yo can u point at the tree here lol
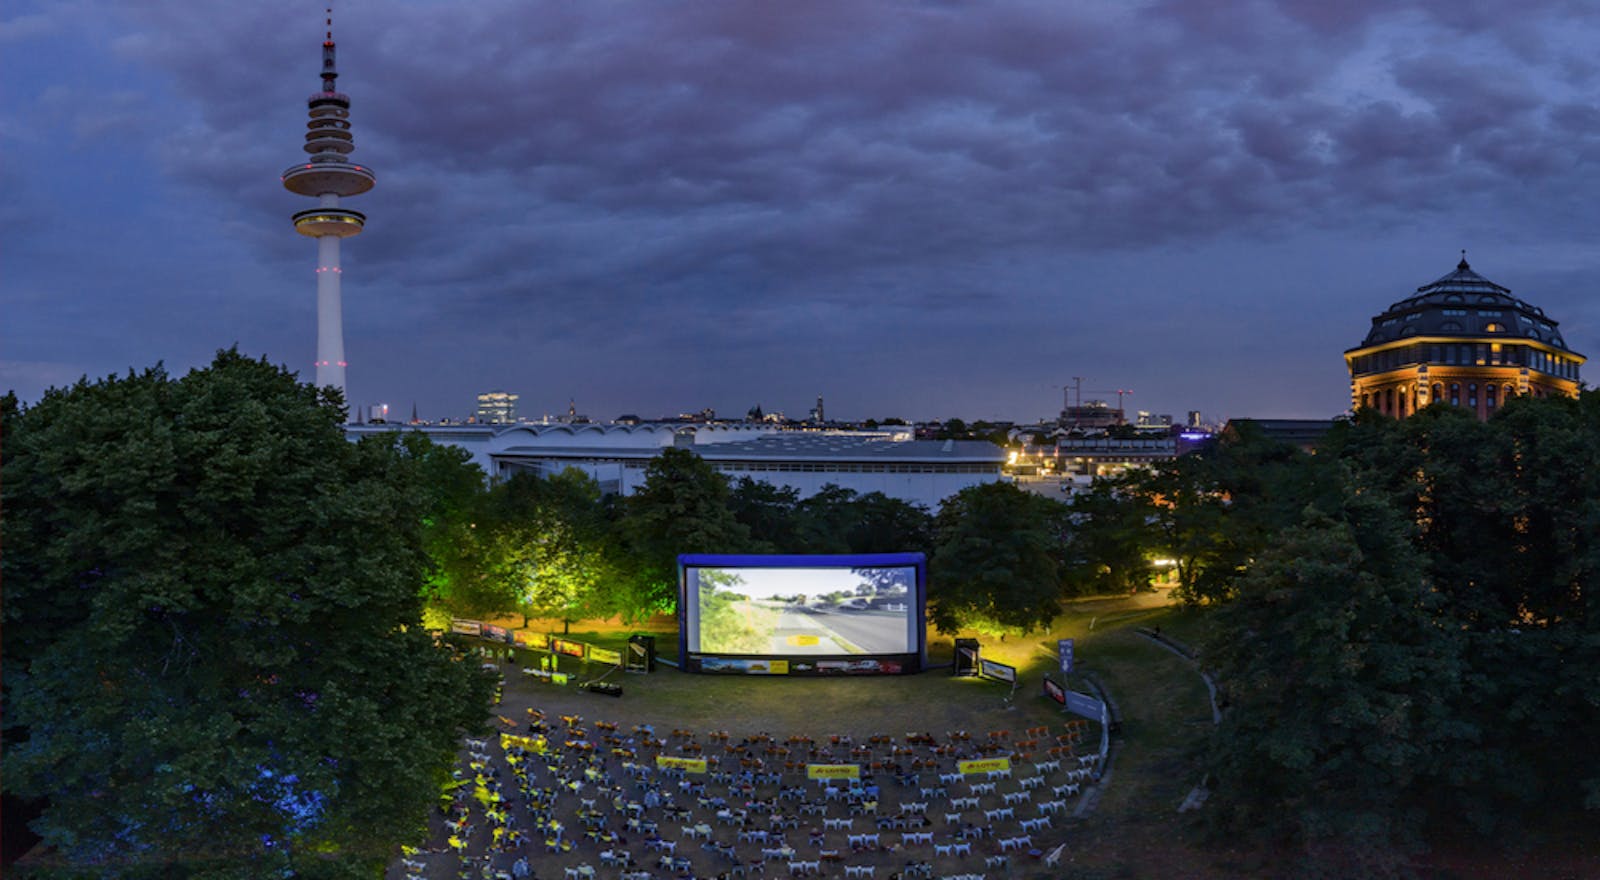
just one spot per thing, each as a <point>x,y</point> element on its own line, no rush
<point>571,562</point>
<point>996,562</point>
<point>1339,673</point>
<point>824,520</point>
<point>682,507</point>
<point>1183,512</point>
<point>1108,548</point>
<point>768,512</point>
<point>214,661</point>
<point>880,524</point>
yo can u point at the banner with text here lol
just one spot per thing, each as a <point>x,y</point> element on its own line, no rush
<point>535,744</point>
<point>833,771</point>
<point>687,765</point>
<point>605,655</point>
<point>1085,705</point>
<point>997,671</point>
<point>536,641</point>
<point>466,627</point>
<point>568,647</point>
<point>983,765</point>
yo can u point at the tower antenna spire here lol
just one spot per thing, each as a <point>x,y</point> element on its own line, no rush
<point>330,70</point>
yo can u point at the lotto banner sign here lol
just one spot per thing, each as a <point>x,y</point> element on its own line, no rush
<point>605,655</point>
<point>535,744</point>
<point>983,765</point>
<point>687,765</point>
<point>833,771</point>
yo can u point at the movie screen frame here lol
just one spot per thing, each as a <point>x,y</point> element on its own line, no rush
<point>833,633</point>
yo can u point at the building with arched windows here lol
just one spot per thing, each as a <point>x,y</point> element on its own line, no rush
<point>1463,340</point>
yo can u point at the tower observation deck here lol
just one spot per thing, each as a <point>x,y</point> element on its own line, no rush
<point>326,175</point>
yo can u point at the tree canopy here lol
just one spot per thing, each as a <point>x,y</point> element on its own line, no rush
<point>996,565</point>
<point>1407,629</point>
<point>214,663</point>
<point>683,507</point>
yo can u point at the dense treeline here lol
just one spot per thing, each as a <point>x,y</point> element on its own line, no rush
<point>554,547</point>
<point>1405,624</point>
<point>213,660</point>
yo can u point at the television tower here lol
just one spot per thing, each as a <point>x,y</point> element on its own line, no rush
<point>325,176</point>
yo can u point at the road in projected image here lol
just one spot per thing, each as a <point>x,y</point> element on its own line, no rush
<point>804,611</point>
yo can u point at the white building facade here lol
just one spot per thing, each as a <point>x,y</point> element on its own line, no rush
<point>918,471</point>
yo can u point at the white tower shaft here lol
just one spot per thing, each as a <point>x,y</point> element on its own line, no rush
<point>330,313</point>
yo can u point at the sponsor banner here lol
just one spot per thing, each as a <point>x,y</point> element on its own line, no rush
<point>1085,705</point>
<point>748,667</point>
<point>534,744</point>
<point>466,627</point>
<point>983,765</point>
<point>498,633</point>
<point>605,655</point>
<point>997,671</point>
<point>568,647</point>
<point>833,771</point>
<point>687,765</point>
<point>866,666</point>
<point>1064,651</point>
<point>1055,691</point>
<point>537,641</point>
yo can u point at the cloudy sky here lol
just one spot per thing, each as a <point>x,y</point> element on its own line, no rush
<point>914,209</point>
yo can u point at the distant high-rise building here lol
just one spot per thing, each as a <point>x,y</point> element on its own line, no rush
<point>326,175</point>
<point>497,407</point>
<point>818,415</point>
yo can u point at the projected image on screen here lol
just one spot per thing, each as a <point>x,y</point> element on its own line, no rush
<point>801,611</point>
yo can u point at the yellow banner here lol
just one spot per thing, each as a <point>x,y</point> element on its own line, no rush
<point>688,765</point>
<point>604,655</point>
<point>540,641</point>
<point>983,765</point>
<point>535,744</point>
<point>833,771</point>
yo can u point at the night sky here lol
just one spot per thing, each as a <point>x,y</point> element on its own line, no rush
<point>915,209</point>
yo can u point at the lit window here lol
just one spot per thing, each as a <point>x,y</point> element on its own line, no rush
<point>1492,327</point>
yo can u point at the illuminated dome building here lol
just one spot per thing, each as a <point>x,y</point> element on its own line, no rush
<point>1463,340</point>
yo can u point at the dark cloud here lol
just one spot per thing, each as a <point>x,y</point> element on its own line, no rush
<point>757,183</point>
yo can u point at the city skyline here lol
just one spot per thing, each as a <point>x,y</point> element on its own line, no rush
<point>917,210</point>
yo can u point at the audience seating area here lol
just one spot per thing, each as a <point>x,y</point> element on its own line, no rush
<point>576,799</point>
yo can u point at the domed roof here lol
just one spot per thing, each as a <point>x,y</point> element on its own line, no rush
<point>1463,304</point>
